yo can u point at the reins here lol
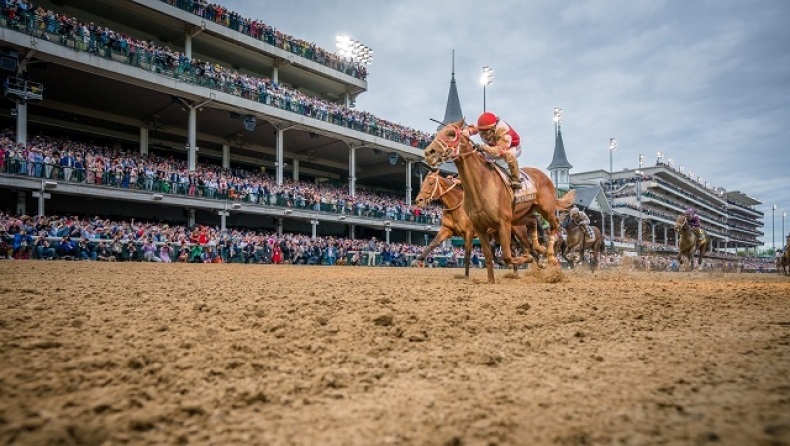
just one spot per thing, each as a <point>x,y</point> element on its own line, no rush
<point>443,193</point>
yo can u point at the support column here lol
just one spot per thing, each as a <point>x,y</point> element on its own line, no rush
<point>21,122</point>
<point>387,231</point>
<point>191,218</point>
<point>352,231</point>
<point>192,138</point>
<point>666,239</point>
<point>315,227</point>
<point>295,175</point>
<point>603,227</point>
<point>188,45</point>
<point>347,98</point>
<point>622,228</point>
<point>279,226</point>
<point>42,197</point>
<point>408,183</point>
<point>611,226</point>
<point>21,203</point>
<point>352,171</point>
<point>225,156</point>
<point>653,232</point>
<point>276,73</point>
<point>222,219</point>
<point>143,141</point>
<point>280,161</point>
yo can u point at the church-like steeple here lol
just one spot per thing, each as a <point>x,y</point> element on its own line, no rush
<point>453,111</point>
<point>559,167</point>
<point>559,161</point>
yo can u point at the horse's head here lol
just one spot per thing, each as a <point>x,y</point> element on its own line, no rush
<point>429,189</point>
<point>681,222</point>
<point>434,186</point>
<point>445,144</point>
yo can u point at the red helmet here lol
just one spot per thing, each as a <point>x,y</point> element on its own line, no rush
<point>487,121</point>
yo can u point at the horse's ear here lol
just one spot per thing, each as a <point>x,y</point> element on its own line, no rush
<point>461,123</point>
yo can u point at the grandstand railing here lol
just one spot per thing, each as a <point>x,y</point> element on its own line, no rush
<point>270,36</point>
<point>165,65</point>
<point>124,180</point>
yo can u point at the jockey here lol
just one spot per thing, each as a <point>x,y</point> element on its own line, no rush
<point>694,223</point>
<point>500,141</point>
<point>581,219</point>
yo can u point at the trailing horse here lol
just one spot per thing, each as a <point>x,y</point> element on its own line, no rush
<point>455,222</point>
<point>490,202</point>
<point>784,260</point>
<point>576,238</point>
<point>689,242</point>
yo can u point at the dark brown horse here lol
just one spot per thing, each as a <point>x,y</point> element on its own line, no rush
<point>784,260</point>
<point>689,242</point>
<point>489,201</point>
<point>455,222</point>
<point>576,239</point>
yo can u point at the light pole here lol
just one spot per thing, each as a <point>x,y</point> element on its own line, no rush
<point>612,148</point>
<point>784,214</point>
<point>639,200</point>
<point>487,78</point>
<point>773,224</point>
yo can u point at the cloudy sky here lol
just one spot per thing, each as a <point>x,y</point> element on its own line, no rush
<point>707,82</point>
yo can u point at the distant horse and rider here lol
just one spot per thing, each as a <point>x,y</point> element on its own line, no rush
<point>580,237</point>
<point>491,203</point>
<point>783,261</point>
<point>691,239</point>
<point>455,221</point>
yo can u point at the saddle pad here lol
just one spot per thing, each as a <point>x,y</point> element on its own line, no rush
<point>528,192</point>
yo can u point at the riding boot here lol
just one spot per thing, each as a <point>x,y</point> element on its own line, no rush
<point>512,163</point>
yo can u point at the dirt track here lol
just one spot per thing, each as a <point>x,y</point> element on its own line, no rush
<point>247,354</point>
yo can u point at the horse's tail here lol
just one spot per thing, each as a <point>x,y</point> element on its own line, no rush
<point>565,203</point>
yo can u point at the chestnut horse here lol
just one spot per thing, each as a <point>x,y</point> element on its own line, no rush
<point>489,200</point>
<point>576,238</point>
<point>455,222</point>
<point>689,242</point>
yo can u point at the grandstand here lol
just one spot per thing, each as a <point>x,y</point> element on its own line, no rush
<point>206,90</point>
<point>729,217</point>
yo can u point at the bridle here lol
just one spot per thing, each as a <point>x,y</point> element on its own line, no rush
<point>681,226</point>
<point>450,148</point>
<point>437,187</point>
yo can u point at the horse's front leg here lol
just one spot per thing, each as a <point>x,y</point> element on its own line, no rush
<point>443,234</point>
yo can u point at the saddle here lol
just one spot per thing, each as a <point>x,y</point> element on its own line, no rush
<point>527,193</point>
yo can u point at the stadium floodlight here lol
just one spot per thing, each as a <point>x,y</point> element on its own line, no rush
<point>641,161</point>
<point>660,156</point>
<point>671,162</point>
<point>487,78</point>
<point>354,50</point>
<point>557,115</point>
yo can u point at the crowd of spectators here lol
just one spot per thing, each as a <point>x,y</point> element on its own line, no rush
<point>86,163</point>
<point>146,54</point>
<point>100,239</point>
<point>96,238</point>
<point>268,34</point>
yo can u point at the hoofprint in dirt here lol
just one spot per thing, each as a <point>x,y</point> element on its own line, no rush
<point>99,353</point>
